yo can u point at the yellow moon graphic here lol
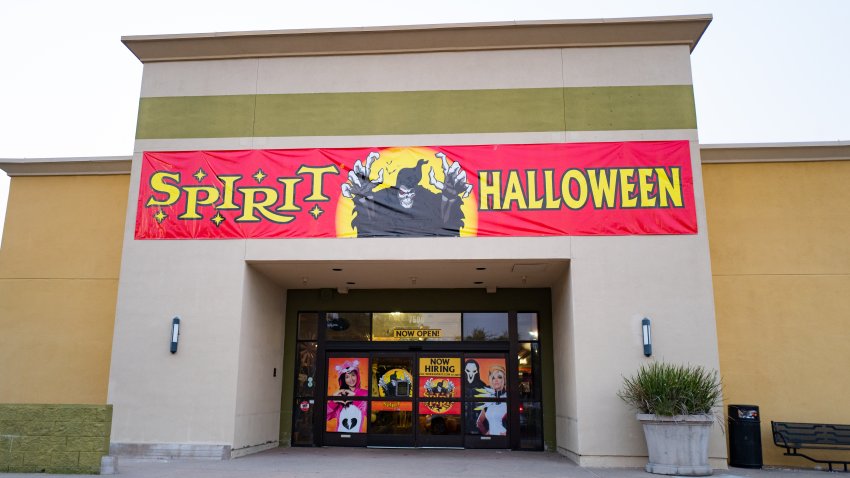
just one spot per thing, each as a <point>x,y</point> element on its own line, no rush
<point>392,160</point>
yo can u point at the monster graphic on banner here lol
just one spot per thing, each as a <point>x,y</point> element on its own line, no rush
<point>407,208</point>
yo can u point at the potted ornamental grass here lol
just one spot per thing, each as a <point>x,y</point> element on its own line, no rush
<point>677,405</point>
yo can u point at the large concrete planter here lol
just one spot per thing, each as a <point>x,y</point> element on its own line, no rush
<point>677,445</point>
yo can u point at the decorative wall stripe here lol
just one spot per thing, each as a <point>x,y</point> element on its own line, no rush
<point>419,112</point>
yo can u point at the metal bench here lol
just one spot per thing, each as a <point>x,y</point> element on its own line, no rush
<point>821,436</point>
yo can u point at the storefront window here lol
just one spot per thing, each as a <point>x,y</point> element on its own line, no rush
<point>485,326</point>
<point>527,326</point>
<point>527,359</point>
<point>442,422</point>
<point>419,326</point>
<point>391,394</point>
<point>302,430</point>
<point>308,325</point>
<point>307,369</point>
<point>531,426</point>
<point>348,326</point>
<point>392,418</point>
<point>306,380</point>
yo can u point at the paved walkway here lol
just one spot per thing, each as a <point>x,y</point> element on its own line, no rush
<point>402,463</point>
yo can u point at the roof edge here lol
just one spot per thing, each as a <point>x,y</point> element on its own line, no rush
<point>667,30</point>
<point>775,152</point>
<point>97,165</point>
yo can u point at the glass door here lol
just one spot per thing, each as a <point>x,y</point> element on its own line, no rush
<point>485,407</point>
<point>346,399</point>
<point>391,420</point>
<point>417,399</point>
<point>439,401</point>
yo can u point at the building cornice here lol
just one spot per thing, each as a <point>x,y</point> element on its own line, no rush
<point>774,152</point>
<point>66,166</point>
<point>709,153</point>
<point>670,30</point>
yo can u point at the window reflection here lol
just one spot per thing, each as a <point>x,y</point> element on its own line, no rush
<point>348,326</point>
<point>308,326</point>
<point>307,369</point>
<point>485,326</point>
<point>392,418</point>
<point>302,430</point>
<point>527,326</point>
<point>531,426</point>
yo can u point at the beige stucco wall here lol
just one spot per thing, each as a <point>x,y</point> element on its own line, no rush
<point>616,281</point>
<point>780,249</point>
<point>563,327</point>
<point>260,365</point>
<point>59,267</point>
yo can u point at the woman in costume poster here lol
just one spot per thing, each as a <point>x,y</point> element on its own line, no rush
<point>485,378</point>
<point>344,414</point>
<point>494,415</point>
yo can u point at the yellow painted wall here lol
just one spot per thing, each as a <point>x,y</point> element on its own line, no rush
<point>780,251</point>
<point>59,265</point>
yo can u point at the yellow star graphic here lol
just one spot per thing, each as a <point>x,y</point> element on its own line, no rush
<point>259,176</point>
<point>316,211</point>
<point>200,175</point>
<point>217,219</point>
<point>160,216</point>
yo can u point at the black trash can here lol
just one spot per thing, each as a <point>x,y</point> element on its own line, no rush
<point>744,430</point>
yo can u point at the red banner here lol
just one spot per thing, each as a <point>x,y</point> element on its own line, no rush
<point>558,189</point>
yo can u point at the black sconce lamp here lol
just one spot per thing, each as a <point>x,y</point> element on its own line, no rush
<point>175,333</point>
<point>647,337</point>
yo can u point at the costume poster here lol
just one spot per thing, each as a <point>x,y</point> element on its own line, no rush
<point>486,379</point>
<point>624,188</point>
<point>346,414</point>
<point>439,383</point>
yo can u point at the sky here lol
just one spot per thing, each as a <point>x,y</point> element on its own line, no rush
<point>764,71</point>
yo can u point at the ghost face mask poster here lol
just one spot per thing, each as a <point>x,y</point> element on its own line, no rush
<point>345,413</point>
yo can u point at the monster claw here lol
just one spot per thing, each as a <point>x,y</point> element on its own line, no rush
<point>434,181</point>
<point>371,159</point>
<point>461,178</point>
<point>352,176</point>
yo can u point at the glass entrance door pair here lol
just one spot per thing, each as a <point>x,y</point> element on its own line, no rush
<point>417,400</point>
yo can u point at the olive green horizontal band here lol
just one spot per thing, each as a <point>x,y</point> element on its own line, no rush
<point>419,112</point>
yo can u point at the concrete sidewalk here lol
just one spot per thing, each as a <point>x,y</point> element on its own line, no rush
<point>401,463</point>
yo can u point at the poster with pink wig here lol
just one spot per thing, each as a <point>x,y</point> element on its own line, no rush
<point>346,414</point>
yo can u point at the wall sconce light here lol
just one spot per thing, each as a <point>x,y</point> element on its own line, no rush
<point>647,337</point>
<point>175,334</point>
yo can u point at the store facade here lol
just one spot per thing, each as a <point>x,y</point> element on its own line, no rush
<point>412,236</point>
<point>557,158</point>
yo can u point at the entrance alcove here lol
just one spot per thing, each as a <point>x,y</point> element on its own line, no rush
<point>325,290</point>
